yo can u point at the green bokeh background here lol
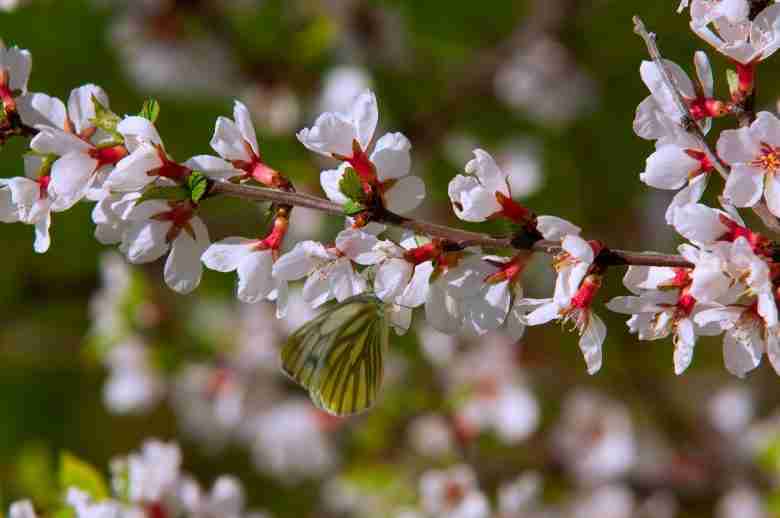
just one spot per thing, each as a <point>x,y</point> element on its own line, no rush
<point>50,397</point>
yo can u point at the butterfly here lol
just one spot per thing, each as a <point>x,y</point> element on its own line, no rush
<point>338,356</point>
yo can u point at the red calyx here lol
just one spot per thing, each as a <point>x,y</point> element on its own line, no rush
<point>108,155</point>
<point>705,107</point>
<point>169,168</point>
<point>512,210</point>
<point>155,510</point>
<point>43,183</point>
<point>747,77</point>
<point>758,242</point>
<point>6,95</point>
<point>274,240</point>
<point>685,302</point>
<point>511,270</point>
<point>705,165</point>
<point>587,291</point>
<point>427,252</point>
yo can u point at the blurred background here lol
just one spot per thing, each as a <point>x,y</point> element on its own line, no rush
<point>96,356</point>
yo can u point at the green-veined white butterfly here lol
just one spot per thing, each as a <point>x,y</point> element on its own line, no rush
<point>338,356</point>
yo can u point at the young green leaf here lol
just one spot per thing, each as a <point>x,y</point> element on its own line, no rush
<point>172,193</point>
<point>74,472</point>
<point>353,207</point>
<point>197,184</point>
<point>150,110</point>
<point>733,80</point>
<point>105,119</point>
<point>351,186</point>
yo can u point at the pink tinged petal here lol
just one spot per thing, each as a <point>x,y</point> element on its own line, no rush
<point>490,176</point>
<point>81,108</point>
<point>71,177</point>
<point>226,255</point>
<point>543,314</point>
<point>344,281</point>
<point>590,343</point>
<point>766,129</point>
<point>57,142</point>
<point>42,239</point>
<point>37,109</point>
<point>765,28</point>
<point>515,321</point>
<point>416,291</point>
<point>316,290</point>
<point>555,229</point>
<point>244,122</point>
<point>685,341</point>
<point>632,305</point>
<point>442,311</point>
<point>282,300</point>
<point>358,246</point>
<point>131,173</point>
<point>299,262</point>
<point>145,241</point>
<point>391,279</point>
<point>183,268</point>
<point>668,168</point>
<point>488,310</point>
<point>139,128</point>
<point>19,63</point>
<point>722,316</point>
<point>744,186</point>
<point>392,157</point>
<point>704,72</point>
<point>653,79</point>
<point>22,509</point>
<point>25,194</point>
<point>329,180</point>
<point>213,167</point>
<point>400,318</point>
<point>738,146</point>
<point>255,281</point>
<point>640,278</point>
<point>406,195</point>
<point>699,223</point>
<point>470,201</point>
<point>710,282</point>
<point>772,193</point>
<point>143,211</point>
<point>228,141</point>
<point>767,308</point>
<point>741,356</point>
<point>688,195</point>
<point>578,248</point>
<point>773,349</point>
<point>365,116</point>
<point>331,134</point>
<point>8,210</point>
<point>649,120</point>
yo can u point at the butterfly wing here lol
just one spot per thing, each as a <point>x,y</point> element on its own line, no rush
<point>338,356</point>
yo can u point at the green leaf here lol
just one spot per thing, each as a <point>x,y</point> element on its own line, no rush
<point>65,512</point>
<point>733,80</point>
<point>104,118</point>
<point>150,110</point>
<point>351,185</point>
<point>34,474</point>
<point>172,193</point>
<point>74,472</point>
<point>197,184</point>
<point>352,207</point>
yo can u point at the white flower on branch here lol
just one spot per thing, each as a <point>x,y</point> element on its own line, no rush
<point>157,227</point>
<point>732,34</point>
<point>754,156</point>
<point>26,199</point>
<point>662,305</point>
<point>15,67</point>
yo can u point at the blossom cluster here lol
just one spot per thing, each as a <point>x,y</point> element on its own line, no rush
<point>150,482</point>
<point>149,204</point>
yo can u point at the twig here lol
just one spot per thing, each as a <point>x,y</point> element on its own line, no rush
<point>464,238</point>
<point>686,121</point>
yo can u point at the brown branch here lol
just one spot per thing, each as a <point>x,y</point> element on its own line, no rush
<point>464,238</point>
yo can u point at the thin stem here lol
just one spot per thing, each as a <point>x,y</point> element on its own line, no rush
<point>686,121</point>
<point>464,238</point>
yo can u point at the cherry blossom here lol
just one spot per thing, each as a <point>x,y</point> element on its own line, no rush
<point>157,227</point>
<point>732,34</point>
<point>484,192</point>
<point>453,493</point>
<point>253,260</point>
<point>27,200</point>
<point>15,67</point>
<point>754,156</point>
